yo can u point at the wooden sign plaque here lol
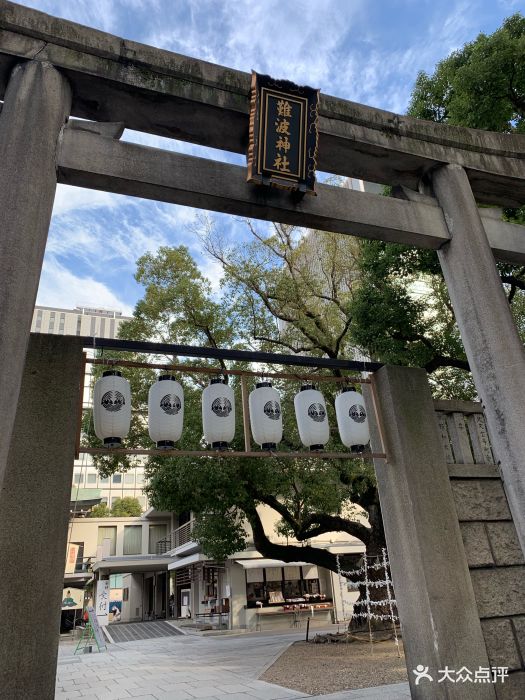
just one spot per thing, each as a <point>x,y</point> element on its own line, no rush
<point>283,134</point>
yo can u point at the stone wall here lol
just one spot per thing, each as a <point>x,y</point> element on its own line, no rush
<point>494,555</point>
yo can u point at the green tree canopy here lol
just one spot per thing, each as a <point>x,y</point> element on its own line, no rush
<point>481,85</point>
<point>101,510</point>
<point>128,506</point>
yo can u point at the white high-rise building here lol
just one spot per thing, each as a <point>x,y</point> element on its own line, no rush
<point>99,323</point>
<point>82,320</point>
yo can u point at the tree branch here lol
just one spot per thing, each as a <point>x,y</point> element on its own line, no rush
<point>289,553</point>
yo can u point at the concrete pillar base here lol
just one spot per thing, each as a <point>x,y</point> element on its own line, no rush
<point>34,515</point>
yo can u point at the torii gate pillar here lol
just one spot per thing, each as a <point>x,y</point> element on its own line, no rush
<point>494,349</point>
<point>36,105</point>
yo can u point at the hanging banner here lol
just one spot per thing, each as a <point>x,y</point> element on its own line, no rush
<point>72,554</point>
<point>102,602</point>
<point>283,134</point>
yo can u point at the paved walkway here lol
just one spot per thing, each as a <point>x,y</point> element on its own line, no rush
<point>189,667</point>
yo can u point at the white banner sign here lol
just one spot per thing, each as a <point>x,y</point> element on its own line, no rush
<point>72,553</point>
<point>102,602</point>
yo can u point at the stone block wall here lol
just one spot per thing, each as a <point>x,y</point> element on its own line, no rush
<point>494,555</point>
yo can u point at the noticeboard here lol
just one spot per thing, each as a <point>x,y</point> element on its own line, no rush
<point>102,602</point>
<point>283,134</point>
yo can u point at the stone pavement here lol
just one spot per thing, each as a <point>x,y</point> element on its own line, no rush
<point>190,667</point>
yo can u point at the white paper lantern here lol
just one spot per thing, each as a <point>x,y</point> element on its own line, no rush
<point>312,419</point>
<point>111,408</point>
<point>218,414</point>
<point>266,418</point>
<point>165,411</point>
<point>352,420</point>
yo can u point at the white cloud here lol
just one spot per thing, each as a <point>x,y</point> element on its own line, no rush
<point>68,199</point>
<point>62,288</point>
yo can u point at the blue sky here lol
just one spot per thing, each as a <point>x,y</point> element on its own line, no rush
<point>368,51</point>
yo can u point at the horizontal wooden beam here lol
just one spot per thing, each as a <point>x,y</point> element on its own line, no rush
<point>164,93</point>
<point>231,453</point>
<point>87,159</point>
<point>255,356</point>
<point>191,369</point>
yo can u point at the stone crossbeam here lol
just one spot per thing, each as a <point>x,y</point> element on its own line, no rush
<point>167,94</point>
<point>87,159</point>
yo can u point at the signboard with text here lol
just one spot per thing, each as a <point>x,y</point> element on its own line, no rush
<point>283,134</point>
<point>102,602</point>
<point>95,626</point>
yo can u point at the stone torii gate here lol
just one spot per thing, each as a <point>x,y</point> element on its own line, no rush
<point>52,70</point>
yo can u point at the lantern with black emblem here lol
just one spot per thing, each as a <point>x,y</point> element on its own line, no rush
<point>266,419</point>
<point>312,420</point>
<point>111,408</point>
<point>165,411</point>
<point>218,414</point>
<point>352,420</point>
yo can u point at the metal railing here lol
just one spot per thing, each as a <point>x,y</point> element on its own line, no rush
<point>176,538</point>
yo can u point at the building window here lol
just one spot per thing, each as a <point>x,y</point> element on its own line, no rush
<point>79,324</point>
<point>92,328</point>
<point>104,479</point>
<point>132,539</point>
<point>78,478</point>
<point>156,533</point>
<point>108,533</point>
<point>129,478</point>
<point>39,320</point>
<point>140,476</point>
<point>92,478</point>
<point>102,327</point>
<point>112,328</point>
<point>51,326</point>
<point>62,323</point>
<point>115,581</point>
<point>117,478</point>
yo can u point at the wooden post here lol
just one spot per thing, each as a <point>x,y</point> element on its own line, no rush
<point>245,414</point>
